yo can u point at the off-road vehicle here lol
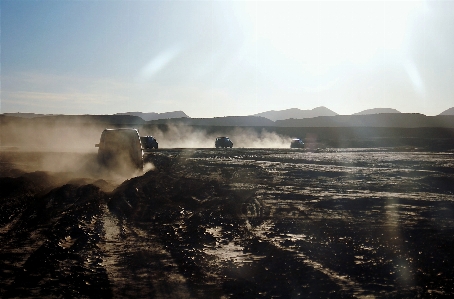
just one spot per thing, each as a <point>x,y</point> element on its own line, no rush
<point>148,142</point>
<point>296,143</point>
<point>120,150</point>
<point>223,142</point>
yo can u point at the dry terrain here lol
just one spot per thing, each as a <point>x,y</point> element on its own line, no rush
<point>230,223</point>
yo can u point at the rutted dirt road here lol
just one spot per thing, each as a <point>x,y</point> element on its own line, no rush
<point>235,223</point>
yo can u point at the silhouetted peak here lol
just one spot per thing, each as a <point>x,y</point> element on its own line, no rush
<point>296,113</point>
<point>377,111</point>
<point>147,116</point>
<point>449,111</point>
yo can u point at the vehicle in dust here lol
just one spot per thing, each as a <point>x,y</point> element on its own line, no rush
<point>223,142</point>
<point>120,150</point>
<point>296,143</point>
<point>148,142</point>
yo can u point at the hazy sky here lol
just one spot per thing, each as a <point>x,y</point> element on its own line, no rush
<point>219,58</point>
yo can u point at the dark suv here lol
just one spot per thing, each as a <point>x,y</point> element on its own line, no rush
<point>297,143</point>
<point>148,142</point>
<point>223,142</point>
<point>120,150</point>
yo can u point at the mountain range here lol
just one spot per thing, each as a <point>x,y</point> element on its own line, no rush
<point>268,118</point>
<point>381,120</point>
<point>154,116</point>
<point>377,111</point>
<point>369,130</point>
<point>296,113</point>
<point>449,111</point>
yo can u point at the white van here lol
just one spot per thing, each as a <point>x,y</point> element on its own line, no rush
<point>120,150</point>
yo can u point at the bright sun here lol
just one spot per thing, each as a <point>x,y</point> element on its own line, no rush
<point>323,34</point>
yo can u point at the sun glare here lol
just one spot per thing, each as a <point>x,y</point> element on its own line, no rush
<point>321,35</point>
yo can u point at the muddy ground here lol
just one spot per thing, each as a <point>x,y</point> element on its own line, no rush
<point>231,223</point>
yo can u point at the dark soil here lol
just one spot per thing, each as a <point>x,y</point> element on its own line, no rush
<point>229,223</point>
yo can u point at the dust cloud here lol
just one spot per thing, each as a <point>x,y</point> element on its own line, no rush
<point>77,137</point>
<point>183,136</point>
<point>51,137</point>
<point>66,152</point>
<point>180,136</point>
<point>251,139</point>
<point>148,167</point>
<point>70,148</point>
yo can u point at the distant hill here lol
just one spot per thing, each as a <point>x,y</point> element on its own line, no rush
<point>153,116</point>
<point>377,111</point>
<point>375,120</point>
<point>74,119</point>
<point>388,120</point>
<point>145,116</point>
<point>296,113</point>
<point>450,111</point>
<point>228,121</point>
<point>26,115</point>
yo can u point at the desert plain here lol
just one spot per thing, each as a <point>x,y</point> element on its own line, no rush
<point>229,223</point>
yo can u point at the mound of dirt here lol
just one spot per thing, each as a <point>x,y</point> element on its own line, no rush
<point>50,249</point>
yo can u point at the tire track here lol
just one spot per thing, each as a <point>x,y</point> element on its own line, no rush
<point>344,282</point>
<point>137,265</point>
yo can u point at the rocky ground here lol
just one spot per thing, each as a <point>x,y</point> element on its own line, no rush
<point>230,223</point>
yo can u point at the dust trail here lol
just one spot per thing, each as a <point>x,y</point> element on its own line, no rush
<point>50,136</point>
<point>156,273</point>
<point>251,139</point>
<point>344,282</point>
<point>58,145</point>
<point>148,167</point>
<point>183,136</point>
